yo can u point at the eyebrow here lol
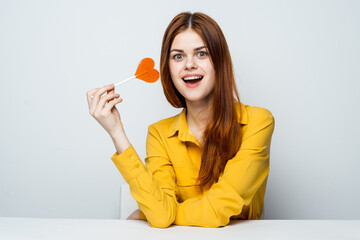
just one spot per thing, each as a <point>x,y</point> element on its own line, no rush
<point>179,50</point>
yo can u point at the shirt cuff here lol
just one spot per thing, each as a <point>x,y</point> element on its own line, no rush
<point>128,163</point>
<point>142,216</point>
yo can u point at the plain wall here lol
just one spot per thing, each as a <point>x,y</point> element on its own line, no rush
<point>299,59</point>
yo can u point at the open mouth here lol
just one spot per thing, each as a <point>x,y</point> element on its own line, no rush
<point>193,79</point>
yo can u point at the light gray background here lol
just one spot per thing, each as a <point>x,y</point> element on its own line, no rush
<point>299,59</point>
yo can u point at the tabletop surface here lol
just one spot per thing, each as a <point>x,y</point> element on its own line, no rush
<point>50,228</point>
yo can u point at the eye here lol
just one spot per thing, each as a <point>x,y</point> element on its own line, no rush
<point>202,54</point>
<point>178,56</point>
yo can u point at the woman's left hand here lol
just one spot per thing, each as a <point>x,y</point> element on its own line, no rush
<point>135,215</point>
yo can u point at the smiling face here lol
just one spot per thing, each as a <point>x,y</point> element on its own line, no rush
<point>191,68</point>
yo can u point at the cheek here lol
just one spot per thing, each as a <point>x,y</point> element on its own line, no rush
<point>211,70</point>
<point>173,73</point>
<point>206,66</point>
<point>212,75</point>
<point>174,69</point>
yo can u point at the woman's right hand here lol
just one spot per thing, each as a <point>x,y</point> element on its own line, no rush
<point>102,108</point>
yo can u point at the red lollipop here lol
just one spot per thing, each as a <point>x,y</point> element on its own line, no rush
<point>145,72</point>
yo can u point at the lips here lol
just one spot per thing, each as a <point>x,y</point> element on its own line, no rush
<point>192,80</point>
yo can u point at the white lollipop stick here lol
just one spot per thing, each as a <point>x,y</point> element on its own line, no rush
<point>124,81</point>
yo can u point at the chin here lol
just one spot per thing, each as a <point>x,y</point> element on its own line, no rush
<point>195,99</point>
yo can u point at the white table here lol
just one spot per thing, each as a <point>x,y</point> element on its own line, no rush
<point>65,229</point>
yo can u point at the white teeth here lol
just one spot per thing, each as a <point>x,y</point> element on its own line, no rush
<point>192,78</point>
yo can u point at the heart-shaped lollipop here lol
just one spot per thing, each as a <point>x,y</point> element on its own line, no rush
<point>145,72</point>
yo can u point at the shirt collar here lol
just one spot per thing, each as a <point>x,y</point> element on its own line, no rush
<point>180,126</point>
<point>243,117</point>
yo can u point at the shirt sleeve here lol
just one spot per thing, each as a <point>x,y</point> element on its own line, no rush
<point>152,186</point>
<point>242,177</point>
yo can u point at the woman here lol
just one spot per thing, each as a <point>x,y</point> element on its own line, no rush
<point>208,164</point>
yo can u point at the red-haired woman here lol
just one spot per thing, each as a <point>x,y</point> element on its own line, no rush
<point>208,164</point>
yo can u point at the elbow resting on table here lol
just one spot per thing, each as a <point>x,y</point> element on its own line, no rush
<point>161,222</point>
<point>218,223</point>
<point>161,217</point>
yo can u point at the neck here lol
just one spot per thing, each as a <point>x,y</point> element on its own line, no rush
<point>197,116</point>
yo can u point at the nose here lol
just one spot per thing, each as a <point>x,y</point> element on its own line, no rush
<point>190,63</point>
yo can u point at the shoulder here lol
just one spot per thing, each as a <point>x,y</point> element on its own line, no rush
<point>257,115</point>
<point>258,119</point>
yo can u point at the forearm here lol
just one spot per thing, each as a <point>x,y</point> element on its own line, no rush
<point>120,140</point>
<point>157,204</point>
<point>213,209</point>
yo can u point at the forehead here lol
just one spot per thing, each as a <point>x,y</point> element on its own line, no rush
<point>187,39</point>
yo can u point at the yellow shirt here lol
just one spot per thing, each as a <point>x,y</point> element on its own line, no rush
<point>165,188</point>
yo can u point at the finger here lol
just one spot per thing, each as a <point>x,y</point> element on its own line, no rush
<point>89,94</point>
<point>101,91</point>
<point>96,97</point>
<point>112,103</point>
<point>106,89</point>
<point>111,91</point>
<point>105,99</point>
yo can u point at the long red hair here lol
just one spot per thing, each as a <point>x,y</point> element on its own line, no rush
<point>222,136</point>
